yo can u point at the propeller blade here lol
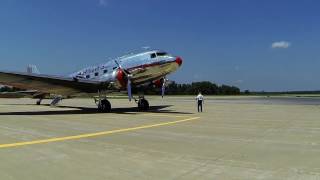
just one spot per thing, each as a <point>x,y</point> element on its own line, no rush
<point>126,72</point>
<point>129,89</point>
<point>117,64</point>
<point>129,76</point>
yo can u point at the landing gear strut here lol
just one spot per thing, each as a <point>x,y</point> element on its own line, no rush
<point>143,104</point>
<point>103,104</point>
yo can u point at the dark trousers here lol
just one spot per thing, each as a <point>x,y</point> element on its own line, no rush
<point>199,106</point>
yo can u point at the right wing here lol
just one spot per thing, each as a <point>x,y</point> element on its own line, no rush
<point>50,84</point>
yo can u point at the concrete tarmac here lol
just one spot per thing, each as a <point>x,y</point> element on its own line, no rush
<point>234,138</point>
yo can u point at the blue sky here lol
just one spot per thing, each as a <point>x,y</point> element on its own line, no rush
<point>258,45</point>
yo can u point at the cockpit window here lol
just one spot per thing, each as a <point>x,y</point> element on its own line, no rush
<point>153,55</point>
<point>161,54</point>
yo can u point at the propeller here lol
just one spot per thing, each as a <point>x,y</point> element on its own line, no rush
<point>129,76</point>
<point>129,89</point>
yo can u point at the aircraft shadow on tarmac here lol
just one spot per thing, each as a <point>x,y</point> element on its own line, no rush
<point>86,110</point>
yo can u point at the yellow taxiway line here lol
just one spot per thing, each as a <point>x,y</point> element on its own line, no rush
<point>94,134</point>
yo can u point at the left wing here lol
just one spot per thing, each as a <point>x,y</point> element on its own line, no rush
<point>50,84</point>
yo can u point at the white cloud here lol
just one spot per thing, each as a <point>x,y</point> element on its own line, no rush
<point>240,81</point>
<point>103,2</point>
<point>281,45</point>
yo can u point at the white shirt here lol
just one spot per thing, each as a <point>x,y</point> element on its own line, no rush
<point>199,97</point>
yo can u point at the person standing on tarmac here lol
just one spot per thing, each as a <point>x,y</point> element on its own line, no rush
<point>200,101</point>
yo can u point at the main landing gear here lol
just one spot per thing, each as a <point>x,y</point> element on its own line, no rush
<point>105,106</point>
<point>143,104</point>
<point>102,102</point>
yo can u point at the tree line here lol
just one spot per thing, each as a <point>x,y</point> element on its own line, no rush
<point>9,89</point>
<point>205,87</point>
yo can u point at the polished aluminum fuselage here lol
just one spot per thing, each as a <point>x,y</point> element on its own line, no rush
<point>144,67</point>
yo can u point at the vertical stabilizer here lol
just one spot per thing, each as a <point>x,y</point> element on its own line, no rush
<point>32,69</point>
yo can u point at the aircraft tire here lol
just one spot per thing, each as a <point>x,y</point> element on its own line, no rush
<point>143,105</point>
<point>104,106</point>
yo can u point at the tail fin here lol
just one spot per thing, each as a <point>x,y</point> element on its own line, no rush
<point>32,69</point>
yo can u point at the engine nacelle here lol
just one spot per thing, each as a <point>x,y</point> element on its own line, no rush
<point>120,78</point>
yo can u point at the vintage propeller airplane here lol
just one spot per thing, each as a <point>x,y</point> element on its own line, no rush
<point>149,67</point>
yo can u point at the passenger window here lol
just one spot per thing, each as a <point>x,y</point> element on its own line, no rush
<point>105,71</point>
<point>88,76</point>
<point>96,74</point>
<point>153,55</point>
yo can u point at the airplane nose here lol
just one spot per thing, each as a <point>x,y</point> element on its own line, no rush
<point>179,61</point>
